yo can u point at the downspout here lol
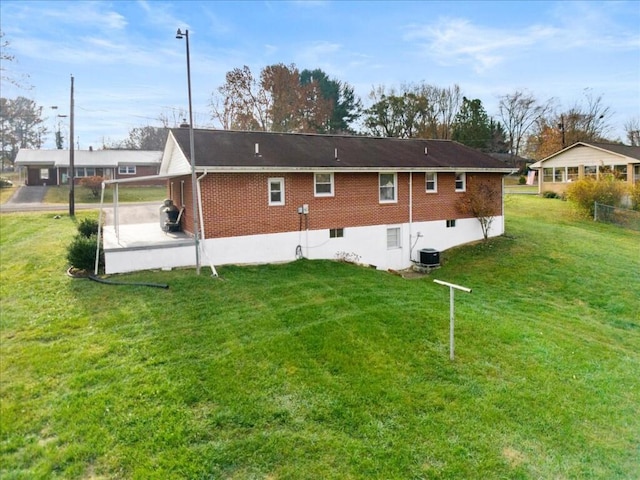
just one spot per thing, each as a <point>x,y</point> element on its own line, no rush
<point>214,272</point>
<point>95,271</point>
<point>410,215</point>
<point>116,221</point>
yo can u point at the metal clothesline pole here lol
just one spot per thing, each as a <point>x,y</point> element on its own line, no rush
<point>452,288</point>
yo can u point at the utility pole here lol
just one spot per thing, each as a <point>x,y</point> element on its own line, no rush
<point>72,169</point>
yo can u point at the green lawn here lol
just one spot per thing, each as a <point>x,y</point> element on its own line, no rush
<point>82,194</point>
<point>318,369</point>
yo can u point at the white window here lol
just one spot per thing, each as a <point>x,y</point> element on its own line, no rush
<point>461,182</point>
<point>431,181</point>
<point>323,184</point>
<point>44,174</point>
<point>388,187</point>
<point>90,172</point>
<point>393,237</point>
<point>336,233</point>
<point>80,172</point>
<point>572,174</point>
<point>620,172</point>
<point>558,175</point>
<point>276,191</point>
<point>127,170</point>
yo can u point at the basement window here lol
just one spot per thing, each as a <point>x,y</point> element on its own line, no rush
<point>336,233</point>
<point>451,223</point>
<point>393,237</point>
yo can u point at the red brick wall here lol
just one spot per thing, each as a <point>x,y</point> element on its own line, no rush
<point>143,171</point>
<point>236,204</point>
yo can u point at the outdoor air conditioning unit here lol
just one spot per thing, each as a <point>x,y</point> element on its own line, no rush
<point>429,257</point>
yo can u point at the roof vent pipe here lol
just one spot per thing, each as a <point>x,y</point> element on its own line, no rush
<point>426,151</point>
<point>257,149</point>
<point>335,155</point>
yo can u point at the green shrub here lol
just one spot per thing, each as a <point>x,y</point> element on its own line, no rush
<point>635,196</point>
<point>88,227</point>
<point>549,194</point>
<point>605,190</point>
<point>522,180</point>
<point>81,253</point>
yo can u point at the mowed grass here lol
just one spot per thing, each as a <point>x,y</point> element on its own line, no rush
<point>318,369</point>
<point>60,194</point>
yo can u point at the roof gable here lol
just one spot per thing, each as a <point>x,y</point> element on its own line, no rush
<point>219,149</point>
<point>598,151</point>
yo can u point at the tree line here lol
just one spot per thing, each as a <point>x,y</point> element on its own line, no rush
<point>284,99</point>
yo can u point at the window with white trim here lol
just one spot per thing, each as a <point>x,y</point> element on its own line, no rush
<point>620,172</point>
<point>451,223</point>
<point>393,237</point>
<point>276,191</point>
<point>431,182</point>
<point>461,182</point>
<point>127,169</point>
<point>323,184</point>
<point>572,174</point>
<point>336,233</point>
<point>44,174</point>
<point>388,183</point>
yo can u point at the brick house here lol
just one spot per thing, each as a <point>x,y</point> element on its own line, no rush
<point>273,197</point>
<point>51,167</point>
<point>584,160</point>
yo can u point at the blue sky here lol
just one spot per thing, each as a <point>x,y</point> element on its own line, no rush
<point>129,68</point>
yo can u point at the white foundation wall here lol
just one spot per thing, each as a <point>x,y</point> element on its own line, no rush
<point>367,245</point>
<point>149,258</point>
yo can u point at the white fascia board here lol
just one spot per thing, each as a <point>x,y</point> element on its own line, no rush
<point>339,169</point>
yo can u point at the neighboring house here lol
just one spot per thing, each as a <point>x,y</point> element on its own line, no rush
<point>584,160</point>
<point>51,167</point>
<point>274,197</point>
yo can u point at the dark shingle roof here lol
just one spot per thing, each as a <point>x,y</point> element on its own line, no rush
<point>226,148</point>
<point>626,150</point>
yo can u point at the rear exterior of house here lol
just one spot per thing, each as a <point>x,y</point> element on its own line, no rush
<point>272,197</point>
<point>51,167</point>
<point>585,160</point>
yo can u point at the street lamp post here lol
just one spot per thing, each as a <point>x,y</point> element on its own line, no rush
<point>196,227</point>
<point>72,168</point>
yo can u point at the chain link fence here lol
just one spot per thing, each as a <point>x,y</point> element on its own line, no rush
<point>619,216</point>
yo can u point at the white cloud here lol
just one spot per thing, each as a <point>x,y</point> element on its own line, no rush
<point>458,41</point>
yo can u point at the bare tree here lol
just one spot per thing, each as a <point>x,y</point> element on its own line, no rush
<point>632,127</point>
<point>481,200</point>
<point>519,112</point>
<point>6,57</point>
